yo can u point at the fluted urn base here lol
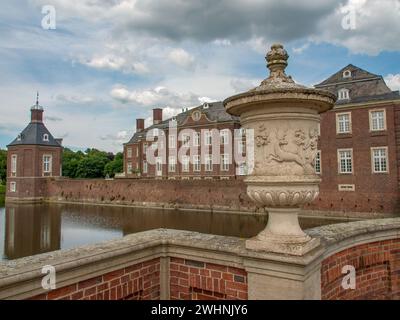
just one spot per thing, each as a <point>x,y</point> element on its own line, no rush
<point>283,234</point>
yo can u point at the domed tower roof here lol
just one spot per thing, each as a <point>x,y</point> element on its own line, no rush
<point>36,132</point>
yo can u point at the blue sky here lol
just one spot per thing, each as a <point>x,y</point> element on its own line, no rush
<point>109,62</point>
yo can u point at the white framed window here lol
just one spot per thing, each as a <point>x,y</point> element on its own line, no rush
<point>379,159</point>
<point>317,165</point>
<point>129,153</point>
<point>185,164</point>
<point>196,163</point>
<point>377,120</point>
<point>14,161</point>
<point>224,134</point>
<point>144,166</point>
<point>208,138</point>
<point>145,148</point>
<point>343,94</point>
<point>45,137</point>
<point>129,168</point>
<point>171,164</point>
<point>346,74</point>
<point>196,139</point>
<point>172,141</point>
<point>242,169</point>
<point>241,146</point>
<point>47,164</point>
<point>225,162</point>
<point>13,186</point>
<point>185,139</point>
<point>159,166</point>
<point>345,161</point>
<point>343,122</point>
<point>209,162</point>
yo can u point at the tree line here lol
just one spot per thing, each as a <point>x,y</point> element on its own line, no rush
<point>90,164</point>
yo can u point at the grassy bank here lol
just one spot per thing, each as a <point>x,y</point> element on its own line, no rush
<point>2,194</point>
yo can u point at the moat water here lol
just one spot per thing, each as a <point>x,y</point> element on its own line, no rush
<point>27,230</point>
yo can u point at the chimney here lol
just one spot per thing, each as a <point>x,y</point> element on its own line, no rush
<point>37,111</point>
<point>139,125</point>
<point>157,115</point>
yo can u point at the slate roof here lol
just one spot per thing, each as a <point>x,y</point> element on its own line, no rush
<point>215,112</point>
<point>363,86</point>
<point>33,135</point>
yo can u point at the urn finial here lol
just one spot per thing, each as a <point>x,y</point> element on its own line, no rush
<point>277,59</point>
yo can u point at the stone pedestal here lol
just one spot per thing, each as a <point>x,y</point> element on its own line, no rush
<point>284,117</point>
<point>283,234</point>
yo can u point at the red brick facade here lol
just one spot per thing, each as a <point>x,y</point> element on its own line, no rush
<point>138,282</point>
<point>194,280</point>
<point>373,192</point>
<point>29,177</point>
<point>189,280</point>
<point>135,154</point>
<point>377,266</point>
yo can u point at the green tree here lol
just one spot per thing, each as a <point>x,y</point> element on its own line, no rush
<point>3,166</point>
<point>93,164</point>
<point>115,166</point>
<point>70,162</point>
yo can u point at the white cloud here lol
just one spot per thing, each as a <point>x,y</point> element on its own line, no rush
<point>241,85</point>
<point>377,26</point>
<point>301,49</point>
<point>77,99</point>
<point>159,96</point>
<point>393,81</point>
<point>181,58</point>
<point>116,63</point>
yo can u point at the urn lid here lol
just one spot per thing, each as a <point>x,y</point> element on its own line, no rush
<point>279,87</point>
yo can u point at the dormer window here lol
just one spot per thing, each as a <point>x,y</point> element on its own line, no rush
<point>45,137</point>
<point>343,94</point>
<point>346,74</point>
<point>19,137</point>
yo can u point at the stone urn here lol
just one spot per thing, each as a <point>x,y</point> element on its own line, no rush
<point>285,117</point>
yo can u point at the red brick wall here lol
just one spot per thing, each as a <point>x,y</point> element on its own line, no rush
<point>194,280</point>
<point>373,192</point>
<point>30,164</point>
<point>377,267</point>
<point>230,194</point>
<point>138,282</point>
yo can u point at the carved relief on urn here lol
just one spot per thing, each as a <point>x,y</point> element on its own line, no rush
<point>285,118</point>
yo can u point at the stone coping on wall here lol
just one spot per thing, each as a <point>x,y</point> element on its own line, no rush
<point>340,236</point>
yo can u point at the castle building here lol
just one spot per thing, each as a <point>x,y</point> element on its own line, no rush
<point>359,145</point>
<point>32,157</point>
<point>203,127</point>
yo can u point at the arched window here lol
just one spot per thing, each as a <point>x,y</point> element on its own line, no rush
<point>346,74</point>
<point>343,94</point>
<point>45,137</point>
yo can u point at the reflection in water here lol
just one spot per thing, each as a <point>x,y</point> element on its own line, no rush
<point>31,229</point>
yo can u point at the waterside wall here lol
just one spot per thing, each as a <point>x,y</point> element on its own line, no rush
<point>227,195</point>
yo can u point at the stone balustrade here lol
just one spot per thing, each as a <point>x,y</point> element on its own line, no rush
<point>172,264</point>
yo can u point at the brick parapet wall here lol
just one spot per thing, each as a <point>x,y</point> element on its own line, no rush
<point>195,280</point>
<point>377,267</point>
<point>137,282</point>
